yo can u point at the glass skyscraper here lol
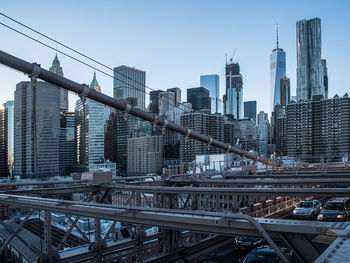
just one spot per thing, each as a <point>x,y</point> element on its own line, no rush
<point>310,71</point>
<point>277,71</point>
<point>130,83</point>
<point>199,98</point>
<point>36,129</point>
<point>250,109</point>
<point>90,126</point>
<point>211,83</point>
<point>233,99</point>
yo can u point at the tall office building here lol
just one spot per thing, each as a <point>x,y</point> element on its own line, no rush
<point>124,127</point>
<point>325,76</point>
<point>277,71</point>
<point>262,116</point>
<point>166,101</point>
<point>211,83</point>
<point>233,99</point>
<point>90,127</point>
<point>177,92</point>
<point>130,83</point>
<point>56,68</point>
<point>310,76</point>
<point>154,101</point>
<point>172,139</point>
<point>68,148</point>
<point>284,91</point>
<point>250,109</point>
<point>6,139</point>
<point>199,98</point>
<point>36,129</point>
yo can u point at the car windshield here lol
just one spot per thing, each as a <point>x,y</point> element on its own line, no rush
<point>257,258</point>
<point>306,204</point>
<point>334,206</point>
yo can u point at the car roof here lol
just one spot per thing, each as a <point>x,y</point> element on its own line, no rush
<point>264,250</point>
<point>338,200</point>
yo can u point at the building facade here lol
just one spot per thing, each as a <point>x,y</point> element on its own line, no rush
<point>145,155</point>
<point>177,92</point>
<point>90,122</point>
<point>204,123</point>
<point>212,83</point>
<point>310,72</point>
<point>68,145</point>
<point>166,101</point>
<point>319,129</point>
<point>130,83</point>
<point>6,138</point>
<point>250,110</point>
<point>199,98</point>
<point>124,127</point>
<point>154,101</point>
<point>36,129</point>
<point>233,99</point>
<point>284,91</point>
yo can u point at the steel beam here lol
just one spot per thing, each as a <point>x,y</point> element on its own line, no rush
<point>202,221</point>
<point>15,232</point>
<point>235,191</point>
<point>264,181</point>
<point>53,190</point>
<point>28,68</point>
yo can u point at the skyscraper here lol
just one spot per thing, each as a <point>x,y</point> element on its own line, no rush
<point>310,74</point>
<point>284,91</point>
<point>250,109</point>
<point>90,126</point>
<point>124,127</point>
<point>199,98</point>
<point>68,150</point>
<point>6,139</point>
<point>277,71</point>
<point>211,83</point>
<point>36,129</point>
<point>233,99</point>
<point>154,101</point>
<point>56,68</point>
<point>130,83</point>
<point>177,92</point>
<point>325,76</point>
<point>166,101</point>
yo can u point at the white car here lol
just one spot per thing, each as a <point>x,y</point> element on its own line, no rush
<point>307,209</point>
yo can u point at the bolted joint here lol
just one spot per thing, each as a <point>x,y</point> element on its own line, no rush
<point>84,93</point>
<point>35,72</point>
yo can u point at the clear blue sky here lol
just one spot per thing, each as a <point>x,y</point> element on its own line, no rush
<point>177,41</point>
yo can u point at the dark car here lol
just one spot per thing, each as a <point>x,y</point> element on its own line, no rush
<point>247,243</point>
<point>336,209</point>
<point>266,255</point>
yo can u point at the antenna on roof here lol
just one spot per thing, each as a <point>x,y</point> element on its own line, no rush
<point>226,57</point>
<point>277,34</point>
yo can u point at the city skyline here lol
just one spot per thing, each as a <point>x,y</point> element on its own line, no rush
<point>203,55</point>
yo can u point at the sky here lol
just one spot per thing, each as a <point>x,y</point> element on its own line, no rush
<point>175,41</point>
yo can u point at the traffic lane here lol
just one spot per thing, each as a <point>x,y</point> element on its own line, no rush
<point>226,255</point>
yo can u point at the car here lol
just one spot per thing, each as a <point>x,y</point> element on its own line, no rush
<point>307,209</point>
<point>336,209</point>
<point>247,243</point>
<point>266,254</point>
